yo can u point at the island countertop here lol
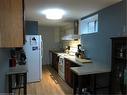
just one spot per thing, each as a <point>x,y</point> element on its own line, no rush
<point>90,69</point>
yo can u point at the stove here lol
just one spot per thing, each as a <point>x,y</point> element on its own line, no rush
<point>61,67</point>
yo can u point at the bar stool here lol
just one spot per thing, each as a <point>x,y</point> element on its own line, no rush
<point>17,80</point>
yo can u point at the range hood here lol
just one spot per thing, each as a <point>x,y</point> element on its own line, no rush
<point>71,37</point>
<point>75,35</point>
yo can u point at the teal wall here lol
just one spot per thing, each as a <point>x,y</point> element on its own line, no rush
<point>98,44</point>
<point>31,27</point>
<point>4,65</point>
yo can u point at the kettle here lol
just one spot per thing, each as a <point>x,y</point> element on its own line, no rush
<point>80,52</point>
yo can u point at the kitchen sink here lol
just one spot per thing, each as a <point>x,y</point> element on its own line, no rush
<point>65,55</point>
<point>62,54</point>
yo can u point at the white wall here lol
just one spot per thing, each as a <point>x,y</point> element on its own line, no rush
<point>51,39</point>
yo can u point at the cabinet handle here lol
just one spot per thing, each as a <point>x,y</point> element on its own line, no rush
<point>120,75</point>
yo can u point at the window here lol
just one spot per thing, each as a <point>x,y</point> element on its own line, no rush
<point>89,25</point>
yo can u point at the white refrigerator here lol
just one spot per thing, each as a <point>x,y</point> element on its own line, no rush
<point>33,50</point>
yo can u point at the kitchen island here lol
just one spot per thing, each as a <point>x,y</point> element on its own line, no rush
<point>85,78</point>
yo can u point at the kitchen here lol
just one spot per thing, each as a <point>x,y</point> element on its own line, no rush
<point>110,25</point>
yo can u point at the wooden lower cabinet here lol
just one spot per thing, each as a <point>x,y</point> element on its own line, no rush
<point>68,72</point>
<point>55,60</point>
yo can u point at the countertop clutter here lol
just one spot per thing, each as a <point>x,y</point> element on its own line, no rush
<point>73,58</point>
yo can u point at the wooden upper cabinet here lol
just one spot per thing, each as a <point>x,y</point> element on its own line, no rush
<point>11,23</point>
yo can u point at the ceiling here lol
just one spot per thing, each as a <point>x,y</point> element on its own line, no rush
<point>75,9</point>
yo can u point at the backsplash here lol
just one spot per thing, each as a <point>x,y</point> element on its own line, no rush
<point>72,44</point>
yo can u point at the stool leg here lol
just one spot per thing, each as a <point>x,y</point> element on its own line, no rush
<point>94,76</point>
<point>10,83</point>
<point>19,91</point>
<point>20,82</point>
<point>25,83</point>
<point>74,84</point>
<point>79,85</point>
<point>93,84</point>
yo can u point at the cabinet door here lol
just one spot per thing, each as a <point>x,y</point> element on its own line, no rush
<point>72,64</point>
<point>68,72</point>
<point>55,60</point>
<point>11,23</point>
<point>117,78</point>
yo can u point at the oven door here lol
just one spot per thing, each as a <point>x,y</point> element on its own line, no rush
<point>61,67</point>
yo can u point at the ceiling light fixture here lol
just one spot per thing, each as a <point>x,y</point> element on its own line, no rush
<point>53,14</point>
